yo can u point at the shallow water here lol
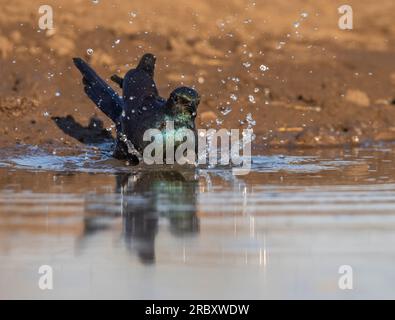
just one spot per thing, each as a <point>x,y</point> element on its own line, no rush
<point>282,231</point>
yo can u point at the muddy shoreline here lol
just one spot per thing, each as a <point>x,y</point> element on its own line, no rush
<point>322,87</point>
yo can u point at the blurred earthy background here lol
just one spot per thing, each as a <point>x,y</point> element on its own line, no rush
<point>282,67</point>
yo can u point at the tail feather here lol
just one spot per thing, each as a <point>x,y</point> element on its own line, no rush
<point>118,80</point>
<point>99,91</point>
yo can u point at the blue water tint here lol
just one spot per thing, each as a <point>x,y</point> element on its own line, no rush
<point>304,164</point>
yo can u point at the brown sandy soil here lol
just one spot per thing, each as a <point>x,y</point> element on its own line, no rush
<point>324,86</point>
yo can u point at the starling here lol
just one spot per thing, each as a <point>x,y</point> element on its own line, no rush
<point>140,108</point>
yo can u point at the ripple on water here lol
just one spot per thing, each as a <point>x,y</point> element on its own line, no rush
<point>97,159</point>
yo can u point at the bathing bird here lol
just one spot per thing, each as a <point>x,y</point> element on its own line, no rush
<point>140,107</point>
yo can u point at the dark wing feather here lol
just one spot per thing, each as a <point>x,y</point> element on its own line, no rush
<point>99,91</point>
<point>147,64</point>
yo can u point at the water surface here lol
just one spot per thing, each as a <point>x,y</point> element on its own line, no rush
<point>282,231</point>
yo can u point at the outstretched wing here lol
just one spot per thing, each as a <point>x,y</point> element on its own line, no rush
<point>139,83</point>
<point>99,91</point>
<point>147,64</point>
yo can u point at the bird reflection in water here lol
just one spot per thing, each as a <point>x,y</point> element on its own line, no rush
<point>145,198</point>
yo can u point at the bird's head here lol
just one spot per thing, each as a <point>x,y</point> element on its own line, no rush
<point>184,101</point>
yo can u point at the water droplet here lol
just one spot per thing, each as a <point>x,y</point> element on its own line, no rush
<point>263,68</point>
<point>280,45</point>
<point>226,110</point>
<point>304,15</point>
<point>233,97</point>
<point>251,98</point>
<point>89,51</point>
<point>296,24</point>
<point>251,122</point>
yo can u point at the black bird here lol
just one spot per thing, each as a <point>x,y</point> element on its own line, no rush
<point>140,108</point>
